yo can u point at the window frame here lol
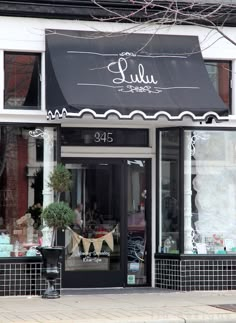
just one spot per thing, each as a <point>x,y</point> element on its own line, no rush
<point>41,77</point>
<point>229,62</point>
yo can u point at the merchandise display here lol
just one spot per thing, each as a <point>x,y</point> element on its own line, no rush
<point>5,246</point>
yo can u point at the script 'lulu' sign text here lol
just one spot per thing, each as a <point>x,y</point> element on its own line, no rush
<point>137,82</point>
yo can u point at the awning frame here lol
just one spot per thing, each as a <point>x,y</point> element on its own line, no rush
<point>166,78</point>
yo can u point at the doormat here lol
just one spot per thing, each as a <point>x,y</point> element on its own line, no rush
<point>227,307</point>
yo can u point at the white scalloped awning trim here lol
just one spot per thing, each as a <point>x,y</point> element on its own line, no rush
<point>64,114</point>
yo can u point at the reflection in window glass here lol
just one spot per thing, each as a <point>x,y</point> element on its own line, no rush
<point>210,192</point>
<point>94,241</point>
<point>22,81</point>
<point>169,188</point>
<point>137,213</point>
<point>21,186</point>
<point>40,150</point>
<point>219,73</point>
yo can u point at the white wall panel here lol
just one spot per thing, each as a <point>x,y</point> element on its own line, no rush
<point>29,34</point>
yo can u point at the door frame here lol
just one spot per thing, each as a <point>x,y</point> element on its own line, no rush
<point>114,279</point>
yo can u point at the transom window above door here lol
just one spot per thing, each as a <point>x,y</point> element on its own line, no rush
<point>22,81</point>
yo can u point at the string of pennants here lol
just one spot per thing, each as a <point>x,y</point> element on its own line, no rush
<point>97,242</point>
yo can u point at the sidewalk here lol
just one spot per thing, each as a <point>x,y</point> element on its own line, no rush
<point>122,306</point>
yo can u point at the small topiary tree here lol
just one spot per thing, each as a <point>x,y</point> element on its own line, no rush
<point>58,215</point>
<point>60,180</point>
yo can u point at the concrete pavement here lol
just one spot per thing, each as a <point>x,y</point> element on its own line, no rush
<point>121,306</point>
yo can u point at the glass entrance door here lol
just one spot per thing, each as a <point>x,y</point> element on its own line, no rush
<point>138,224</point>
<point>107,245</point>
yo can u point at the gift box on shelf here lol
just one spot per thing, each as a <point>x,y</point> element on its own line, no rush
<point>4,238</point>
<point>6,247</point>
<point>18,253</point>
<point>5,253</point>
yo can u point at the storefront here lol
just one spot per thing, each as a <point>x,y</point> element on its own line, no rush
<point>153,201</point>
<point>151,77</point>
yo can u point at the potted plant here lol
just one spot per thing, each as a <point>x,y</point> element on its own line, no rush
<point>57,215</point>
<point>60,180</point>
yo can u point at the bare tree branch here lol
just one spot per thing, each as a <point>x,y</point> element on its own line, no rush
<point>208,14</point>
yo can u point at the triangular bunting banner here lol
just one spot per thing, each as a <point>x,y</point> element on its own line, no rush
<point>86,244</point>
<point>74,240</point>
<point>109,240</point>
<point>97,245</point>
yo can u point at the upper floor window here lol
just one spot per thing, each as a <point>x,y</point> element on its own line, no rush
<point>219,73</point>
<point>22,81</point>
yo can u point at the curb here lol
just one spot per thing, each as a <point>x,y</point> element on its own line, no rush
<point>215,318</point>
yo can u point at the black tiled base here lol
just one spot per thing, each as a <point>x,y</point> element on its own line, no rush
<point>189,275</point>
<point>23,279</point>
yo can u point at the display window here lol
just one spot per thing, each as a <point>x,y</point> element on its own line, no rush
<point>21,187</point>
<point>210,191</point>
<point>197,189</point>
<point>169,191</point>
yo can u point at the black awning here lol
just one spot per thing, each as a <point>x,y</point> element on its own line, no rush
<point>126,75</point>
